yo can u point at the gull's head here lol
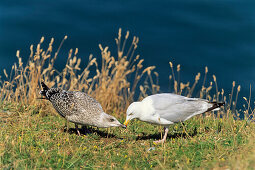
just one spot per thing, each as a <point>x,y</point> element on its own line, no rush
<point>109,121</point>
<point>132,112</point>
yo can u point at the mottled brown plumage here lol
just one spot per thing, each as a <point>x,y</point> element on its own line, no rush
<point>78,107</point>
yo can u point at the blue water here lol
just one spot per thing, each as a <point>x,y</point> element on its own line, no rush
<point>219,34</point>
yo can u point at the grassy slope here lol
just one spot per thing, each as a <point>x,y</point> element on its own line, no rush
<point>35,141</point>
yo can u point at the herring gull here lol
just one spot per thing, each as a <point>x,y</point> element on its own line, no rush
<point>167,108</point>
<point>79,108</point>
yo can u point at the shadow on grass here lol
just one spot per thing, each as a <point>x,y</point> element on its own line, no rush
<point>89,130</point>
<point>157,136</point>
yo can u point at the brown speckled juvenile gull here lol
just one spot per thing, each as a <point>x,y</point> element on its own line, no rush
<point>79,108</point>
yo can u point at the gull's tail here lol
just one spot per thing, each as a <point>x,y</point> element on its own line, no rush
<point>215,106</point>
<point>44,90</point>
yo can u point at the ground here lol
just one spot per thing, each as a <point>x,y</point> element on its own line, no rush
<point>29,140</point>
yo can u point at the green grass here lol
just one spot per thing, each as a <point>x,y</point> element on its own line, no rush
<point>29,140</point>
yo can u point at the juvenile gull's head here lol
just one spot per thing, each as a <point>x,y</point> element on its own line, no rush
<point>109,121</point>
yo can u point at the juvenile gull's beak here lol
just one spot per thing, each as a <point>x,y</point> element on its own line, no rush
<point>126,122</point>
<point>124,126</point>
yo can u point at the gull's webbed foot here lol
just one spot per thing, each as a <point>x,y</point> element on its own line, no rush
<point>159,141</point>
<point>164,138</point>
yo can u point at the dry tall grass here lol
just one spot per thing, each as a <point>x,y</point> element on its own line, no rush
<point>110,83</point>
<point>114,82</point>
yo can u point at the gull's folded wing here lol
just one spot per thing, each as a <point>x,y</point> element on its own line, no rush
<point>177,108</point>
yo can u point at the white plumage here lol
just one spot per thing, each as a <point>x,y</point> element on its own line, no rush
<point>167,108</point>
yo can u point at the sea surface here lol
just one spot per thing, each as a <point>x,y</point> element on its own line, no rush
<point>219,34</point>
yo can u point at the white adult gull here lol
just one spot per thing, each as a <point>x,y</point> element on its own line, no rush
<point>167,108</point>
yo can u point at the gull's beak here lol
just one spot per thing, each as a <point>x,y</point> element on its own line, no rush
<point>124,126</point>
<point>126,122</point>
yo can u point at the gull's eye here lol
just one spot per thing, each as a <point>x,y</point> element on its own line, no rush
<point>130,114</point>
<point>111,120</point>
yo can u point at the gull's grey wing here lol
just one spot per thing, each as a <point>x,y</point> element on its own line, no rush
<point>177,108</point>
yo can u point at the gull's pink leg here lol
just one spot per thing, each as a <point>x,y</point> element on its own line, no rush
<point>164,138</point>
